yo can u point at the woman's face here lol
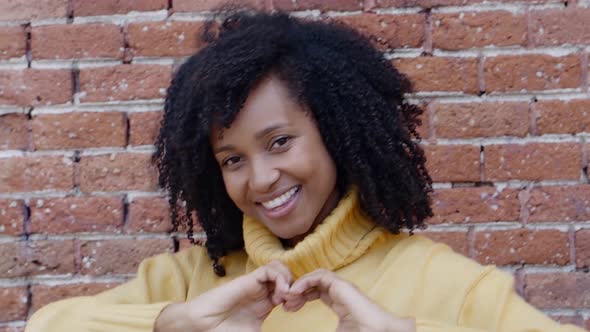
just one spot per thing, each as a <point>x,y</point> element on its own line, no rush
<point>274,163</point>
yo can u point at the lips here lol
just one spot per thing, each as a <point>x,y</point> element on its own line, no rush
<point>282,205</point>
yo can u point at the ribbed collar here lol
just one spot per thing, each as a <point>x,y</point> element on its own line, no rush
<point>340,239</point>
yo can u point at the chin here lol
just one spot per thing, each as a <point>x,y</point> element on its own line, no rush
<point>289,232</point>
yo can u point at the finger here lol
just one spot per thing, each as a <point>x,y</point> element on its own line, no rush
<point>320,279</point>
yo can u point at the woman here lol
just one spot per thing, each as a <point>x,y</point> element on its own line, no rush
<point>292,142</point>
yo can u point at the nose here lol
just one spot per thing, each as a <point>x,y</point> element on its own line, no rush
<point>262,176</point>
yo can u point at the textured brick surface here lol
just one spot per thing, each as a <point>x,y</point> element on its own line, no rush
<point>202,5</point>
<point>13,300</point>
<point>45,294</point>
<point>31,258</point>
<point>124,82</point>
<point>12,217</point>
<point>77,41</point>
<point>76,214</point>
<point>522,246</point>
<point>556,27</point>
<point>467,120</point>
<point>164,39</point>
<point>531,72</point>
<point>390,31</point>
<point>35,87</point>
<point>472,205</point>
<point>14,133</point>
<point>79,130</point>
<point>21,174</point>
<point>558,290</point>
<point>534,161</point>
<point>559,117</point>
<point>144,127</point>
<point>466,30</point>
<point>32,9</point>
<point>149,214</point>
<point>13,41</point>
<point>441,74</point>
<point>116,172</point>
<point>559,203</point>
<point>453,162</point>
<point>105,7</point>
<point>583,248</point>
<point>105,257</point>
<point>456,240</point>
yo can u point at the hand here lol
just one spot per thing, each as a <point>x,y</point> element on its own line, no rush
<point>355,311</point>
<point>243,303</point>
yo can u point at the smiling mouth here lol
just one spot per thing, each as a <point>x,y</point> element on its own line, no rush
<point>281,205</point>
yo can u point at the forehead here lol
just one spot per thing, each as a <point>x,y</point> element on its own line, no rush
<point>268,104</point>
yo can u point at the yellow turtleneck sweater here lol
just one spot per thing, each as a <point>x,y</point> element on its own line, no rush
<point>410,276</point>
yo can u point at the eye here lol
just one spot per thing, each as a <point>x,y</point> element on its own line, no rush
<point>230,161</point>
<point>279,142</point>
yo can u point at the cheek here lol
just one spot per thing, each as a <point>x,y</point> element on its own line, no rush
<point>234,188</point>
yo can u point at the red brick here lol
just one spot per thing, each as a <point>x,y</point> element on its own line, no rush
<point>106,7</point>
<point>440,73</point>
<point>184,242</point>
<point>558,290</point>
<point>45,294</point>
<point>14,133</point>
<point>389,31</point>
<point>13,300</point>
<point>583,248</point>
<point>79,130</point>
<point>522,246</point>
<point>478,29</point>
<point>531,72</point>
<point>124,82</point>
<point>149,214</point>
<point>201,5</point>
<point>559,203</point>
<point>456,240</point>
<point>32,87</point>
<point>475,204</point>
<point>9,328</point>
<point>573,320</point>
<point>562,26</point>
<point>468,120</point>
<point>67,41</point>
<point>33,9</point>
<point>144,127</point>
<point>13,42</point>
<point>116,172</point>
<point>436,3</point>
<point>12,217</point>
<point>323,5</point>
<point>563,117</point>
<point>453,163</point>
<point>30,258</point>
<point>106,256</point>
<point>533,161</point>
<point>76,214</point>
<point>22,174</point>
<point>416,3</point>
<point>164,38</point>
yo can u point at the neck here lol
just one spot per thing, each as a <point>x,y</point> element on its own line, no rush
<point>325,211</point>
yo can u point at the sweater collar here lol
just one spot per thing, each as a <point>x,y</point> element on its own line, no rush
<point>340,239</point>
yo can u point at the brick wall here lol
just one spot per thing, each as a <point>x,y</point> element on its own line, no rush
<point>507,123</point>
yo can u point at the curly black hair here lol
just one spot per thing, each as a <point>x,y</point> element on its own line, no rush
<point>354,94</point>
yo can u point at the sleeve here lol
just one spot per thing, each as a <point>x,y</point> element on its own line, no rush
<point>130,307</point>
<point>467,297</point>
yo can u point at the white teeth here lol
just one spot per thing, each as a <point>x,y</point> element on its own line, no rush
<point>279,200</point>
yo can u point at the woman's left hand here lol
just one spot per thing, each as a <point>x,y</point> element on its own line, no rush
<point>355,311</point>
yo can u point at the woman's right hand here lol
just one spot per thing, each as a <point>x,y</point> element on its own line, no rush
<point>239,305</point>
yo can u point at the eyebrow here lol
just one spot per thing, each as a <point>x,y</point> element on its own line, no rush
<point>258,135</point>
